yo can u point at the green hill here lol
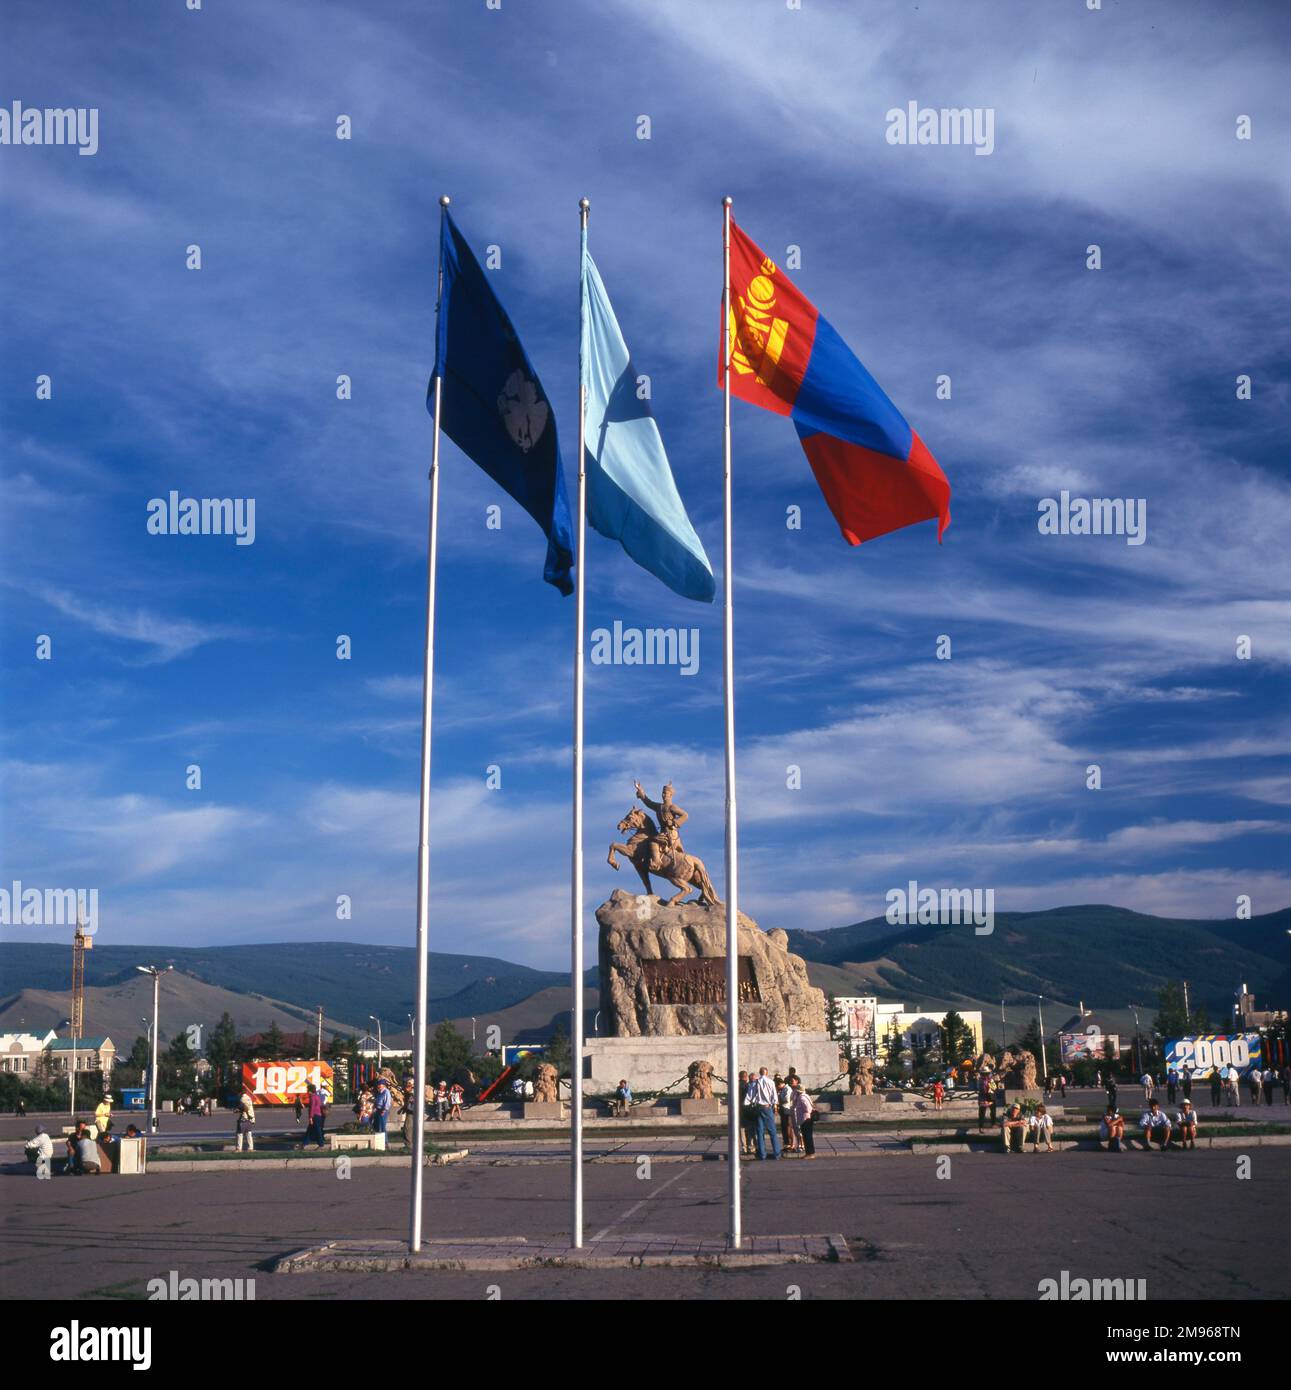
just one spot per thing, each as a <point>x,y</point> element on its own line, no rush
<point>349,980</point>
<point>1107,956</point>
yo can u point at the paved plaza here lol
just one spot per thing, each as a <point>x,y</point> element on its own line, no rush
<point>993,1228</point>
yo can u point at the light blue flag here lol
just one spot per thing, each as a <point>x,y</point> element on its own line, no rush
<point>631,495</point>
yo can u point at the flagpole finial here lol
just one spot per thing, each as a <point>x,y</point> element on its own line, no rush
<point>584,204</point>
<point>444,201</point>
<point>726,202</point>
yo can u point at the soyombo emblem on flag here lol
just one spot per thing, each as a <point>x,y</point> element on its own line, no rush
<point>492,404</point>
<point>631,494</point>
<point>875,471</point>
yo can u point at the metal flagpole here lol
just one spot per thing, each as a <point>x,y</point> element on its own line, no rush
<point>423,842</point>
<point>733,1097</point>
<point>576,885</point>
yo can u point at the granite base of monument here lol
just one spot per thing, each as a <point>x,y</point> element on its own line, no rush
<point>853,1105</point>
<point>545,1110</point>
<point>713,1106</point>
<point>654,1063</point>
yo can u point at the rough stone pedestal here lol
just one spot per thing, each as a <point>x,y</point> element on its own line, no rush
<point>712,1106</point>
<point>653,1063</point>
<point>853,1105</point>
<point>545,1110</point>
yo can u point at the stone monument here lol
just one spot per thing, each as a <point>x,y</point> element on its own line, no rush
<point>700,1077</point>
<point>545,1104</point>
<point>700,1100</point>
<point>1017,1067</point>
<point>663,975</point>
<point>860,1077</point>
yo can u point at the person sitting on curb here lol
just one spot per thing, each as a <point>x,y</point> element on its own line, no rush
<point>1042,1129</point>
<point>1186,1121</point>
<point>79,1130</point>
<point>623,1097</point>
<point>1013,1130</point>
<point>89,1159</point>
<point>1111,1131</point>
<point>1156,1127</point>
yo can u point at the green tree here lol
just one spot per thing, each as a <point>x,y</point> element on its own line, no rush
<point>448,1054</point>
<point>140,1058</point>
<point>1172,1014</point>
<point>956,1039</point>
<point>558,1050</point>
<point>272,1045</point>
<point>176,1063</point>
<point>221,1049</point>
<point>894,1047</point>
<point>1029,1038</point>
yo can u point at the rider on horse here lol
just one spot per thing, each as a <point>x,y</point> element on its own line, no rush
<point>671,818</point>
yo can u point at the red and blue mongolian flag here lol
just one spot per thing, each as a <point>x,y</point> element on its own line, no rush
<point>876,473</point>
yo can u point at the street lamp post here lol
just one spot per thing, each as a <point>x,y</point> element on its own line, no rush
<point>156,971</point>
<point>372,1018</point>
<point>1138,1046</point>
<point>1044,1055</point>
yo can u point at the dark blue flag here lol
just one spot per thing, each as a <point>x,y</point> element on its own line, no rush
<point>493,406</point>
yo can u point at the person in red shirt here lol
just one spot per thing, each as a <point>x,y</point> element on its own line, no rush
<point>316,1112</point>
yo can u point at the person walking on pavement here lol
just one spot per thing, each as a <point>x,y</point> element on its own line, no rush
<point>246,1120</point>
<point>316,1110</point>
<point>985,1099</point>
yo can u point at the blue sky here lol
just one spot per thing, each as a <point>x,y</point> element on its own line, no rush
<point>217,127</point>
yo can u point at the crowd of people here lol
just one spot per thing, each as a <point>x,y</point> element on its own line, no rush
<point>89,1148</point>
<point>777,1116</point>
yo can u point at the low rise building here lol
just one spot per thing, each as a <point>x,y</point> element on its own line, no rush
<point>21,1052</point>
<point>86,1054</point>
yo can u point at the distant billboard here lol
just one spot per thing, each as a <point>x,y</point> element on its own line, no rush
<point>1089,1046</point>
<point>1209,1052</point>
<point>860,1019</point>
<point>283,1083</point>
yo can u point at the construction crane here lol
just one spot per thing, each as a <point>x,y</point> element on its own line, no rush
<point>81,943</point>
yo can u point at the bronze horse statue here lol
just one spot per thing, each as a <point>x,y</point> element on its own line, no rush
<point>651,855</point>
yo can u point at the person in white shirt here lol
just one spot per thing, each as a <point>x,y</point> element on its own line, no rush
<point>789,1137</point>
<point>1042,1129</point>
<point>1156,1127</point>
<point>1186,1122</point>
<point>762,1096</point>
<point>1147,1084</point>
<point>245,1123</point>
<point>40,1150</point>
